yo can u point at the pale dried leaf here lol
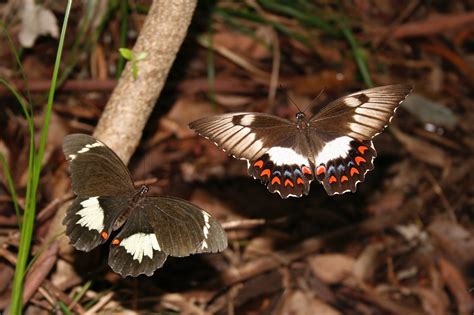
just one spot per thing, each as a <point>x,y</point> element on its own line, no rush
<point>331,268</point>
<point>36,21</point>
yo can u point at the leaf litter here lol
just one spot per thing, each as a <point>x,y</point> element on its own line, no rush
<point>403,244</point>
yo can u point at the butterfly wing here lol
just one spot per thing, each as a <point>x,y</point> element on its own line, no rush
<point>135,250</point>
<point>162,226</point>
<point>275,149</point>
<point>95,169</point>
<point>341,134</point>
<point>90,220</point>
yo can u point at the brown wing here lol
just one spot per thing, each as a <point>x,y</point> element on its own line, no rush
<point>95,169</point>
<point>361,115</point>
<point>244,135</point>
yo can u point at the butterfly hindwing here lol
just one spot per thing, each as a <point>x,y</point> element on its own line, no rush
<point>284,171</point>
<point>135,250</point>
<point>89,221</point>
<point>95,169</point>
<point>342,174</point>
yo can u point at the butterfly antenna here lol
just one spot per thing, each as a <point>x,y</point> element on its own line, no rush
<point>313,102</point>
<point>288,96</point>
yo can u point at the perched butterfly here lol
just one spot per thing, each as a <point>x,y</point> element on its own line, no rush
<point>151,227</point>
<point>334,146</point>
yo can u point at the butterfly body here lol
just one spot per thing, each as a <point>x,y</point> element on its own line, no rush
<point>334,146</point>
<point>149,228</point>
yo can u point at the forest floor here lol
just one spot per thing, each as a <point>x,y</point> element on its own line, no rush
<point>402,244</point>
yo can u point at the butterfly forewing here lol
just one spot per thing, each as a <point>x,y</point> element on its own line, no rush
<point>244,135</point>
<point>183,228</point>
<point>95,169</point>
<point>361,115</point>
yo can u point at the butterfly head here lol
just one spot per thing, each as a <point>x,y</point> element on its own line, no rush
<point>301,120</point>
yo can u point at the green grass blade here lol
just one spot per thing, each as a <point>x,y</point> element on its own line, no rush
<point>359,56</point>
<point>81,293</point>
<point>19,64</point>
<point>64,309</point>
<point>123,35</point>
<point>299,13</point>
<point>30,208</point>
<point>211,71</point>
<point>29,119</point>
<point>11,187</point>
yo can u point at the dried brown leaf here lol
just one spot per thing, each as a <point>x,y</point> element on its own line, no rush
<point>331,268</point>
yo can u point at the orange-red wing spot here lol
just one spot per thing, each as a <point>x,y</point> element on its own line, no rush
<point>332,179</point>
<point>265,172</point>
<point>306,170</point>
<point>354,171</point>
<point>276,180</point>
<point>360,159</point>
<point>104,235</point>
<point>362,149</point>
<point>344,179</point>
<point>116,241</point>
<point>258,164</point>
<point>320,170</point>
<point>288,182</point>
<point>300,181</point>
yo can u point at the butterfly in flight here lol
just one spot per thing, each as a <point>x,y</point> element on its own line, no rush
<point>333,146</point>
<point>150,228</point>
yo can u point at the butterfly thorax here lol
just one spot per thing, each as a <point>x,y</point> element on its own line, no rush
<point>301,122</point>
<point>135,200</point>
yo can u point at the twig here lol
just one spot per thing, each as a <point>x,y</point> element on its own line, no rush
<point>102,302</point>
<point>242,224</point>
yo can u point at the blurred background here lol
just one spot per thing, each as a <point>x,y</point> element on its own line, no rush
<point>403,244</point>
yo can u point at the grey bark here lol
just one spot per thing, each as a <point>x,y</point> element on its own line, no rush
<point>132,101</point>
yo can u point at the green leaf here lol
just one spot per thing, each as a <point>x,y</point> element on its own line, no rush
<point>126,53</point>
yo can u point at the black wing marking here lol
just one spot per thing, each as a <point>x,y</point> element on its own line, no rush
<point>244,135</point>
<point>361,115</point>
<point>90,220</point>
<point>95,169</point>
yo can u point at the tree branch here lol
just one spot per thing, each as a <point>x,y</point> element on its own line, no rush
<point>132,101</point>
